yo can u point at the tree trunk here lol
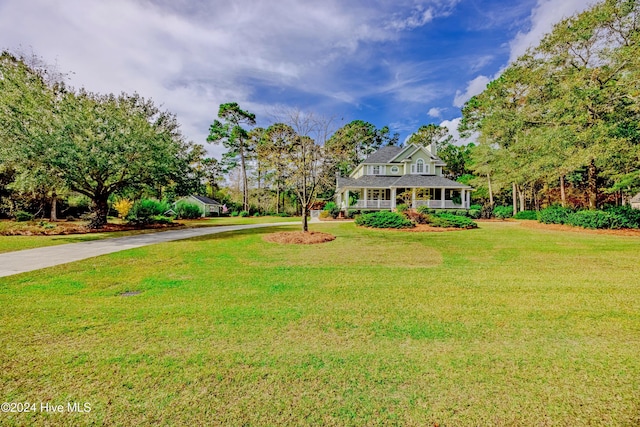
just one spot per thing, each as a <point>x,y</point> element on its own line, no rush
<point>521,195</point>
<point>593,185</point>
<point>490,191</point>
<point>305,225</point>
<point>245,182</point>
<point>54,207</point>
<point>100,211</point>
<point>514,191</point>
<point>563,194</point>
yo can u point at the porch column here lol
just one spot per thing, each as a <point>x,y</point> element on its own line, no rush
<point>393,198</point>
<point>442,198</point>
<point>346,199</point>
<point>413,198</point>
<point>463,198</point>
<point>365,197</point>
<point>339,200</point>
<point>468,199</point>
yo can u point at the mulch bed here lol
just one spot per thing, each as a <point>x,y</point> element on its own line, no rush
<point>299,237</point>
<point>66,228</point>
<point>560,227</point>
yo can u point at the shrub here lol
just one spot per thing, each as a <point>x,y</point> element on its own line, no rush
<point>475,213</point>
<point>592,219</point>
<point>475,207</point>
<point>23,216</point>
<point>256,214</point>
<point>161,219</point>
<point>502,212</point>
<point>243,213</point>
<point>554,215</point>
<point>144,210</point>
<point>234,213</point>
<point>352,213</point>
<point>123,206</point>
<point>526,215</point>
<point>626,216</point>
<point>332,208</point>
<point>416,217</point>
<point>461,212</point>
<point>325,214</point>
<point>426,210</point>
<point>402,208</point>
<point>447,220</point>
<point>383,219</point>
<point>186,210</point>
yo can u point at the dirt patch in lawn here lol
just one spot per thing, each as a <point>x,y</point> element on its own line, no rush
<point>560,227</point>
<point>299,237</point>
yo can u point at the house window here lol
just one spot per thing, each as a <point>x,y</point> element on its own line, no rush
<point>394,169</point>
<point>420,166</point>
<point>376,170</point>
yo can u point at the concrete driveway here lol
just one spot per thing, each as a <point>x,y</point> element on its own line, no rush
<point>34,259</point>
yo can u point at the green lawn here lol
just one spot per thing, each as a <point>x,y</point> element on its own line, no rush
<point>16,243</point>
<point>502,325</point>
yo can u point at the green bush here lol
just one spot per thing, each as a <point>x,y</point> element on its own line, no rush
<point>475,207</point>
<point>554,215</point>
<point>352,213</point>
<point>626,216</point>
<point>526,215</point>
<point>383,219</point>
<point>186,210</point>
<point>426,210</point>
<point>475,213</point>
<point>234,213</point>
<point>161,219</point>
<point>502,212</point>
<point>461,212</point>
<point>243,213</point>
<point>144,210</point>
<point>256,214</point>
<point>333,209</point>
<point>22,216</point>
<point>447,220</point>
<point>593,219</point>
<point>401,208</point>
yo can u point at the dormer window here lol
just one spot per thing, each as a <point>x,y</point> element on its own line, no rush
<point>420,166</point>
<point>394,169</point>
<point>376,170</point>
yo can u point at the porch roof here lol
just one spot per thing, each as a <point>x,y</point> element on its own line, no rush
<point>404,181</point>
<point>636,198</point>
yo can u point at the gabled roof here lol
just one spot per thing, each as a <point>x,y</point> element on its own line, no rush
<point>636,198</point>
<point>383,155</point>
<point>206,200</point>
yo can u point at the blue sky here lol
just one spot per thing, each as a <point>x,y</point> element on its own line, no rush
<point>401,63</point>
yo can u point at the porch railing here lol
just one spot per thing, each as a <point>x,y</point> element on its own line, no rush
<point>437,204</point>
<point>372,204</point>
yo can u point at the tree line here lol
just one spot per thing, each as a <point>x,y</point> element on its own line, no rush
<point>561,124</point>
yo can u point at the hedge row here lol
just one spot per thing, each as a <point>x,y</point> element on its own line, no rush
<point>611,218</point>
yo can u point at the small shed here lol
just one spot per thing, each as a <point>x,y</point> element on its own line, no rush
<point>208,206</point>
<point>635,201</point>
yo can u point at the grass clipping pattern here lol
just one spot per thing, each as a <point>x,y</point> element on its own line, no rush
<point>299,237</point>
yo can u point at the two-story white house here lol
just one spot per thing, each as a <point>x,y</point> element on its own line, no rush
<point>393,175</point>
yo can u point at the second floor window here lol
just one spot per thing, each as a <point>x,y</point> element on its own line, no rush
<point>420,166</point>
<point>376,170</point>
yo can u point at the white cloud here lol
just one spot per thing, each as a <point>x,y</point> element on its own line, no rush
<point>474,87</point>
<point>190,56</point>
<point>435,112</point>
<point>544,16</point>
<point>452,126</point>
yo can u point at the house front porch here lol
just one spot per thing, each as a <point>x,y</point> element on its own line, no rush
<point>389,198</point>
